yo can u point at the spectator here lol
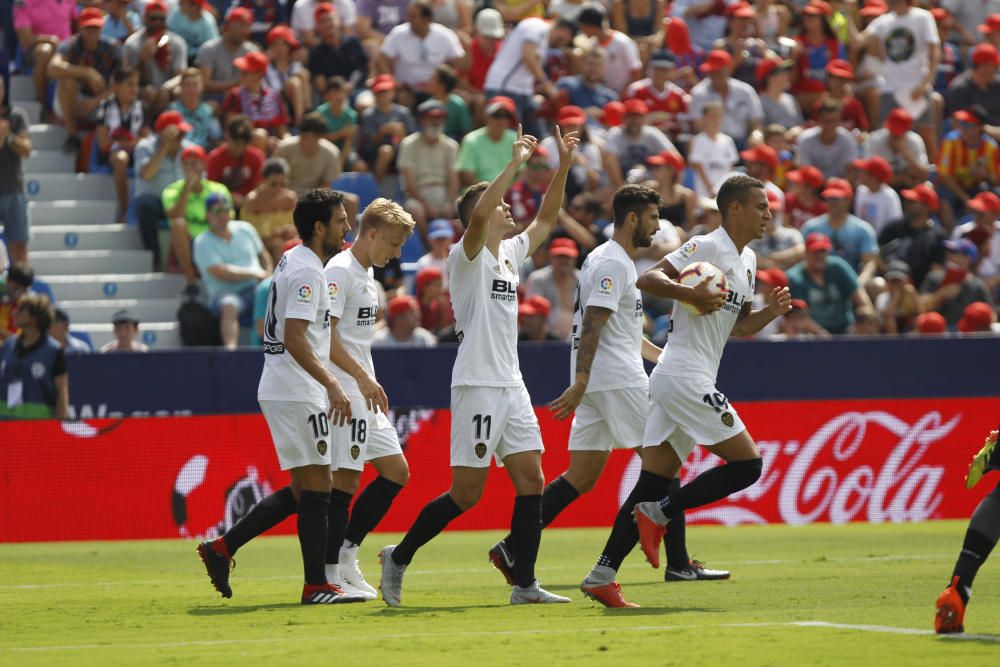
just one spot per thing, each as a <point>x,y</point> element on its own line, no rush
<point>413,49</point>
<point>441,87</point>
<point>120,22</point>
<point>231,259</point>
<point>902,148</point>
<point>159,55</point>
<point>624,65</point>
<point>914,238</point>
<point>634,141</point>
<point>742,43</point>
<point>743,112</point>
<point>217,57</point>
<point>286,75</point>
<point>42,25</point>
<point>59,330</point>
<point>122,123</point>
<point>816,46</point>
<point>439,237</point>
<point>950,289</point>
<point>969,162</point>
<point>762,162</point>
<point>798,324</point>
<point>485,151</point>
<point>970,15</point>
<point>270,205</point>
<point>314,161</point>
<point>978,86</point>
<point>435,306</point>
<point>427,168</point>
<point>705,19</point>
<point>712,153</point>
<point>268,14</point>
<point>587,90</point>
<point>33,379</point>
<point>592,171</point>
<point>205,128</point>
<point>931,323</point>
<point>335,54</point>
<point>839,82</point>
<point>185,203</point>
<point>15,146</point>
<point>482,51</point>
<point>776,138</point>
<point>341,123</point>
<point>802,201</point>
<point>384,126</point>
<point>828,285</point>
<point>157,164</point>
<point>403,329</point>
<point>557,283</point>
<point>666,100</point>
<point>236,164</point>
<point>687,56</point>
<point>455,15</point>
<point>866,323</point>
<point>306,18</point>
<point>853,239</point>
<point>780,247</point>
<point>978,317</point>
<point>126,327</point>
<point>82,66</point>
<point>194,23</point>
<point>774,80</point>
<point>990,28</point>
<point>677,203</point>
<point>15,284</point>
<point>263,106</point>
<point>533,318</point>
<point>525,194</point>
<point>876,203</point>
<point>899,305</point>
<point>377,18</point>
<point>951,64</point>
<point>984,231</point>
<point>828,146</point>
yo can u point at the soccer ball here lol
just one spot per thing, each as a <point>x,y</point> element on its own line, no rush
<point>693,274</point>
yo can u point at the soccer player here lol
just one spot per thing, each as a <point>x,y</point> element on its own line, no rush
<point>491,408</point>
<point>610,389</point>
<point>369,435</point>
<point>980,538</point>
<point>685,407</point>
<point>299,397</point>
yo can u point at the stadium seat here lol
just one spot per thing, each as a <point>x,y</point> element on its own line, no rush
<point>358,183</point>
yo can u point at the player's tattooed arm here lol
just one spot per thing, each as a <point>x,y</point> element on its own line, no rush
<point>748,323</point>
<point>594,319</point>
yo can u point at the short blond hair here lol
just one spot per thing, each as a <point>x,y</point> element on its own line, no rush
<point>386,213</point>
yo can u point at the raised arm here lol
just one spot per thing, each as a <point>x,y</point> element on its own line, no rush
<point>548,212</point>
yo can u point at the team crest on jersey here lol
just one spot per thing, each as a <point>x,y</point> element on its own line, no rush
<point>321,447</point>
<point>334,290</point>
<point>605,285</point>
<point>510,267</point>
<point>304,294</point>
<point>481,449</point>
<point>355,452</point>
<point>727,419</point>
<point>687,250</point>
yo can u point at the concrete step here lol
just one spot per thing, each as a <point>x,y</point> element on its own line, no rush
<point>85,237</point>
<point>116,286</point>
<point>47,137</point>
<point>77,262</point>
<point>100,311</point>
<point>22,88</point>
<point>158,335</point>
<point>32,108</point>
<point>71,212</point>
<point>50,187</point>
<point>49,162</point>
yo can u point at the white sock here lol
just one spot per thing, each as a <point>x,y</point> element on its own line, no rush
<point>601,574</point>
<point>332,572</point>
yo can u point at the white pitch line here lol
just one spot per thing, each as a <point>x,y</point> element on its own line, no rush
<point>881,629</point>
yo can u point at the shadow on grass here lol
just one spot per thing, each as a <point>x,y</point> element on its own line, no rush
<point>242,609</point>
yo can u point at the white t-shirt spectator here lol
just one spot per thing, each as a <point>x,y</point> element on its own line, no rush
<point>742,106</point>
<point>420,337</point>
<point>416,58</point>
<point>907,41</point>
<point>508,73</point>
<point>878,144</point>
<point>304,14</point>
<point>623,59</point>
<point>633,151</point>
<point>831,159</point>
<point>667,233</point>
<point>877,208</point>
<point>717,156</point>
<point>704,31</point>
<point>430,260</point>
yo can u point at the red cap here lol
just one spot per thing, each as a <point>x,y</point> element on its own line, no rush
<point>636,107</point>
<point>840,68</point>
<point>668,159</point>
<point>92,17</point>
<point>501,103</point>
<point>383,82</point>
<point>985,202</point>
<point>741,10</point>
<point>194,152</point>
<point>767,67</point>
<point>761,153</point>
<point>773,201</point>
<point>240,14</point>
<point>874,8</point>
<point>156,5</point>
<point>877,166</point>
<point>322,9</point>
<point>613,113</point>
<point>716,60</point>
<point>899,121</point>
<point>571,115</point>
<point>809,175</point>
<point>985,54</point>
<point>799,304</point>
<point>816,242</point>
<point>818,8</point>
<point>168,118</point>
<point>967,116</point>
<point>539,304</point>
<point>253,61</point>
<point>940,14</point>
<point>977,317</point>
<point>774,277</point>
<point>838,188</point>
<point>540,151</point>
<point>401,304</point>
<point>923,194</point>
<point>563,247</point>
<point>931,323</point>
<point>289,244</point>
<point>992,24</point>
<point>427,275</point>
<point>285,34</point>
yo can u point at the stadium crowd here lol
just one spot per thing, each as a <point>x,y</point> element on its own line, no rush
<point>874,125</point>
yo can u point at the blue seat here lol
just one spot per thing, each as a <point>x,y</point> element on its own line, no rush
<point>359,183</point>
<point>39,286</point>
<point>84,336</point>
<point>412,250</point>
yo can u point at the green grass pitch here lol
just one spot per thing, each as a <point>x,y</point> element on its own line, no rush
<point>817,595</point>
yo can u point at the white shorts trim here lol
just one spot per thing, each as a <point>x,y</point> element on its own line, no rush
<point>367,436</point>
<point>300,431</point>
<point>611,419</point>
<point>497,421</point>
<point>688,412</point>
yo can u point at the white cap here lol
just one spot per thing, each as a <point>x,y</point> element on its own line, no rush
<point>489,23</point>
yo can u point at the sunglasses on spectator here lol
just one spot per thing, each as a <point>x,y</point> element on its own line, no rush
<point>156,18</point>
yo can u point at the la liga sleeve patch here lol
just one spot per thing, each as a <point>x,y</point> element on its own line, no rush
<point>687,250</point>
<point>334,291</point>
<point>304,294</point>
<point>605,285</point>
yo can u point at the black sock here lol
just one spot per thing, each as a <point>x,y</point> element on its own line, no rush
<point>712,485</point>
<point>526,530</point>
<point>265,515</point>
<point>313,508</point>
<point>675,540</point>
<point>372,504</point>
<point>556,497</point>
<point>336,524</point>
<point>432,519</point>
<point>624,534</point>
<point>980,538</point>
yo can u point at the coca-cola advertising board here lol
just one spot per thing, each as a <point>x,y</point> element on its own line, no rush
<point>824,461</point>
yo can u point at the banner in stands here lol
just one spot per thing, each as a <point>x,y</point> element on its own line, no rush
<point>825,461</point>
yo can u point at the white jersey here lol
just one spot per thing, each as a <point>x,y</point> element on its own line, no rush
<point>484,298</point>
<point>298,291</point>
<point>607,280</point>
<point>694,347</point>
<point>354,301</point>
<point>508,73</point>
